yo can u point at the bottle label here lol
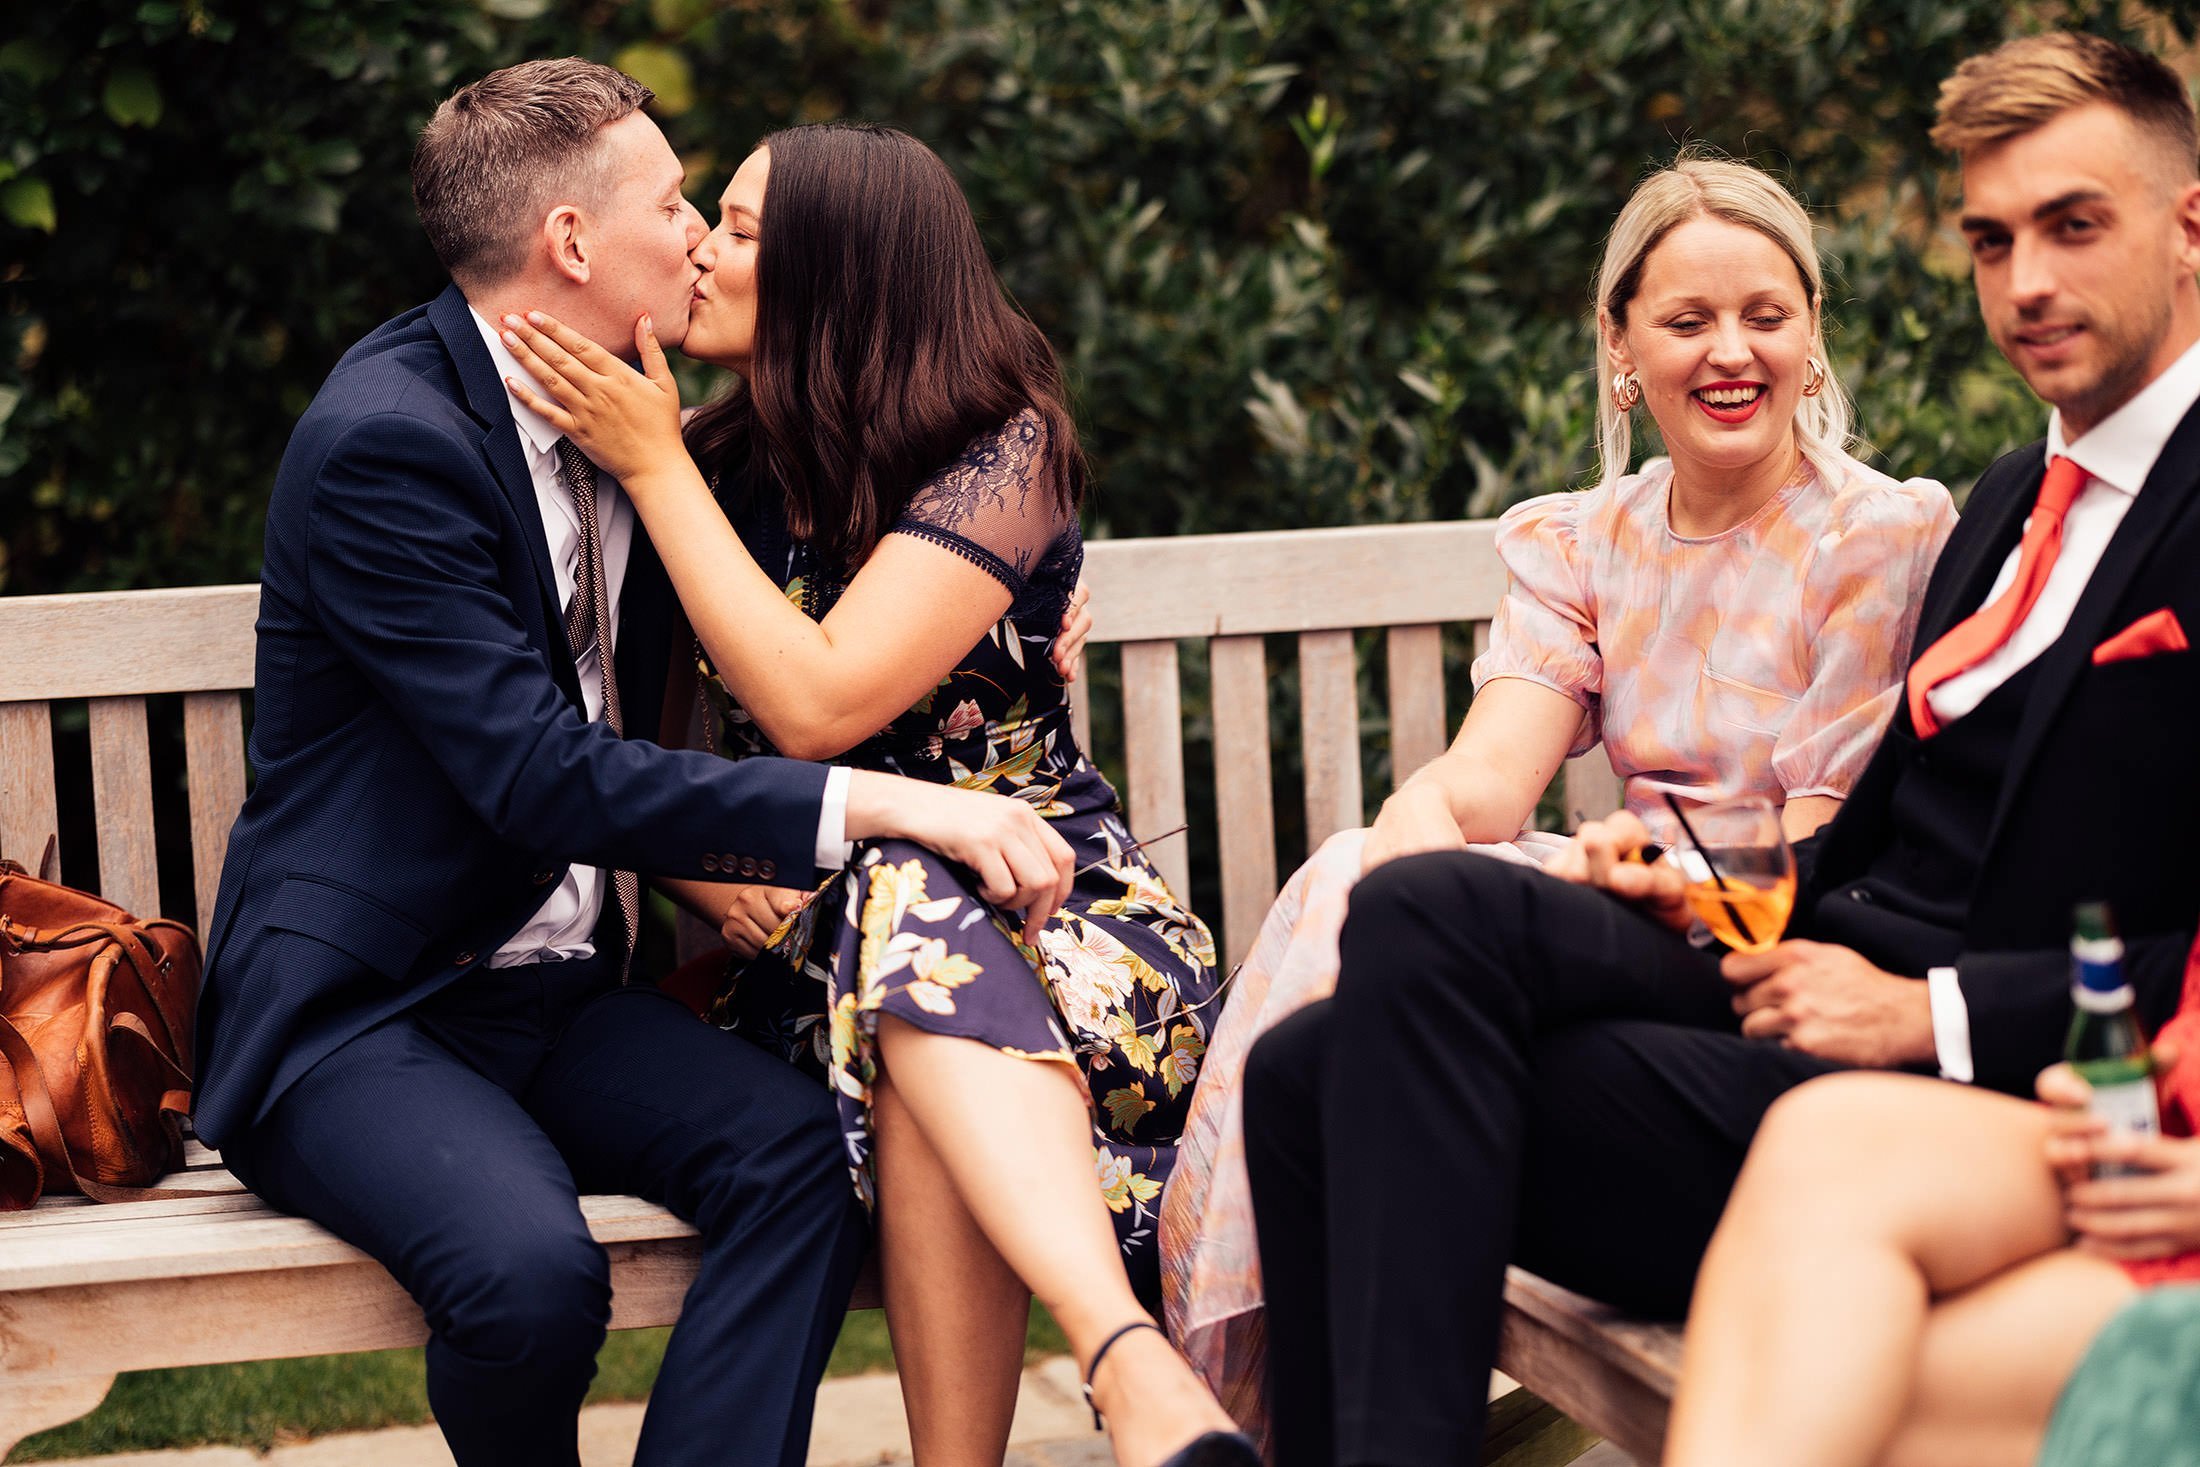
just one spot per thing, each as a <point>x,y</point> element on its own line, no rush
<point>2128,1107</point>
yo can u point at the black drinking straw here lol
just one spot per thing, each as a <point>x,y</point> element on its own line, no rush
<point>1139,845</point>
<point>1697,841</point>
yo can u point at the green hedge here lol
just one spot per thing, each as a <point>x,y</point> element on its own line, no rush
<point>1310,262</point>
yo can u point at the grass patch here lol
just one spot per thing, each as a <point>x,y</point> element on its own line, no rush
<point>269,1402</point>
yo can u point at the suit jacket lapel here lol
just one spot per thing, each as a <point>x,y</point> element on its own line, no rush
<point>644,653</point>
<point>487,399</point>
<point>2159,501</point>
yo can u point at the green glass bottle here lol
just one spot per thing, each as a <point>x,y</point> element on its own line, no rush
<point>2106,1047</point>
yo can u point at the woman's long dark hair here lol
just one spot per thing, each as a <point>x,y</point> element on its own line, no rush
<point>884,342</point>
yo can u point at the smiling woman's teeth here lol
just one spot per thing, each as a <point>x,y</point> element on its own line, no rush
<point>1729,396</point>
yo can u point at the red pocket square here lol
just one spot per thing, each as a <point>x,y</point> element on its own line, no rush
<point>2151,634</point>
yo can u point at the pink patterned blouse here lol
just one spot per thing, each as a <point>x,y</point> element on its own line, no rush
<point>1764,659</point>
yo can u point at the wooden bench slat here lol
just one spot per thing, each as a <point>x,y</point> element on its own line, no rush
<point>1153,748</point>
<point>347,1305</point>
<point>207,1243</point>
<point>1245,817</point>
<point>1293,580</point>
<point>213,750</point>
<point>122,804</point>
<point>101,644</point>
<point>1415,666</point>
<point>27,806</point>
<point>1591,788</point>
<point>1080,705</point>
<point>1613,1373</point>
<point>1329,734</point>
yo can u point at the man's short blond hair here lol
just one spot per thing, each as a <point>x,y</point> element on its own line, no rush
<point>502,150</point>
<point>2031,81</point>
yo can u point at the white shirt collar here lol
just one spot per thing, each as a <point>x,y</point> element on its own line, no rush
<point>2119,451</point>
<point>533,426</point>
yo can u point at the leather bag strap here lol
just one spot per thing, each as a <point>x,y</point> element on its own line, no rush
<point>45,1125</point>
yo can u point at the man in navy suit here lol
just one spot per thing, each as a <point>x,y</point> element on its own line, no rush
<point>414,1029</point>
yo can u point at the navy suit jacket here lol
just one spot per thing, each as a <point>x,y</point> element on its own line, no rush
<point>424,772</point>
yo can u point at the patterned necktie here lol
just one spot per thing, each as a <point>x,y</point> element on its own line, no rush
<point>588,623</point>
<point>1979,635</point>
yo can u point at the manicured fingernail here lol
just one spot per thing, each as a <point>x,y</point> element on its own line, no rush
<point>535,316</point>
<point>510,319</point>
<point>649,326</point>
<point>511,339</point>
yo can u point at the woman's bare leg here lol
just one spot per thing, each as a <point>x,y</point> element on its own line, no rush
<point>1995,1358</point>
<point>1015,1138</point>
<point>956,1311</point>
<point>1865,1198</point>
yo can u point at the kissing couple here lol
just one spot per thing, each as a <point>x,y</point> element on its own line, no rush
<point>500,570</point>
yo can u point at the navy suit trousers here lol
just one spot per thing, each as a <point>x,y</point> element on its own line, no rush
<point>453,1142</point>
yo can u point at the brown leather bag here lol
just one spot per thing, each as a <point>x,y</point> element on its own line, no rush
<point>95,1043</point>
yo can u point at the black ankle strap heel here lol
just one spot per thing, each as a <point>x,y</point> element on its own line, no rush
<point>1092,1366</point>
<point>1210,1449</point>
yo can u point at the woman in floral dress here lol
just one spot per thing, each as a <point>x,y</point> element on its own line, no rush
<point>898,540</point>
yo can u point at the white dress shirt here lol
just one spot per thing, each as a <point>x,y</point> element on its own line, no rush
<point>2117,453</point>
<point>564,926</point>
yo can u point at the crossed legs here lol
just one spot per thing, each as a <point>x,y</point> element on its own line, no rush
<point>1892,1283</point>
<point>987,1195</point>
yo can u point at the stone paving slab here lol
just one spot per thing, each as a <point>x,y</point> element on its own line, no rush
<point>859,1424</point>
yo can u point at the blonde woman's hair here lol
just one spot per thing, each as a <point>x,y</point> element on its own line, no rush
<point>2030,82</point>
<point>1701,184</point>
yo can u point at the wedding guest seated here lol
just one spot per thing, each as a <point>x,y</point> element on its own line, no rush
<point>1518,1067</point>
<point>1730,620</point>
<point>1957,1256</point>
<point>902,477</point>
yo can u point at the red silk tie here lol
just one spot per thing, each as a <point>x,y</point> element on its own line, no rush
<point>1979,635</point>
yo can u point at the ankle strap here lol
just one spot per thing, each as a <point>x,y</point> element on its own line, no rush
<point>1092,1367</point>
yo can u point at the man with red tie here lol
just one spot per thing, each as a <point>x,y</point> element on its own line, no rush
<point>1538,1067</point>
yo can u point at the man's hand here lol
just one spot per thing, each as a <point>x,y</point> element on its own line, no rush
<point>755,913</point>
<point>1020,863</point>
<point>1607,854</point>
<point>1069,647</point>
<point>1826,1000</point>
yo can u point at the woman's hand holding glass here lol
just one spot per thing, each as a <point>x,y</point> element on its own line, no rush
<point>627,422</point>
<point>2155,1214</point>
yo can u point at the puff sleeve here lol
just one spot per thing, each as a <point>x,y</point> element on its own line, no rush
<point>1859,613</point>
<point>1545,630</point>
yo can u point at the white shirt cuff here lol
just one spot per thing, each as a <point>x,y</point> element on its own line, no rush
<point>1951,1025</point>
<point>833,849</point>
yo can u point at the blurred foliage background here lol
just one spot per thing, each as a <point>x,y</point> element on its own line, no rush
<point>1310,261</point>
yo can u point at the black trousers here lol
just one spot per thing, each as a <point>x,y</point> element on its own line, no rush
<point>1512,1069</point>
<point>452,1144</point>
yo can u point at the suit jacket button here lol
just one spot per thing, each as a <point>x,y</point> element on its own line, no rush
<point>748,865</point>
<point>543,878</point>
<point>766,870</point>
<point>463,959</point>
<point>710,863</point>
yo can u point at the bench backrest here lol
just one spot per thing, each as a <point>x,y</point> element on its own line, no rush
<point>115,649</point>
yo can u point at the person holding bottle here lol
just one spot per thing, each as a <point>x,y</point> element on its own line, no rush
<point>1965,1249</point>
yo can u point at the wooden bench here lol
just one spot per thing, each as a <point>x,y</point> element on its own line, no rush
<point>227,1278</point>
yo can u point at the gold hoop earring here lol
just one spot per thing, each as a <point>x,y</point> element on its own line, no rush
<point>1814,377</point>
<point>1626,391</point>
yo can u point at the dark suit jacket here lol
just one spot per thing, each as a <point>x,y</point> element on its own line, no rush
<point>424,771</point>
<point>2102,796</point>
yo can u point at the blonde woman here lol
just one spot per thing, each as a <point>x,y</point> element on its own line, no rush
<point>1730,619</point>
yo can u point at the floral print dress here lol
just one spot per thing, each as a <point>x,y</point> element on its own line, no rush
<point>1122,983</point>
